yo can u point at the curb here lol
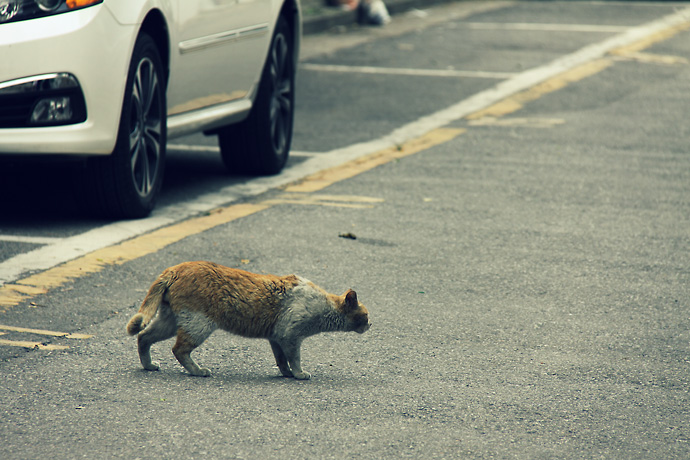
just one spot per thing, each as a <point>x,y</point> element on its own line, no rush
<point>327,18</point>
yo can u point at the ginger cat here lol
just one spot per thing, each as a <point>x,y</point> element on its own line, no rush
<point>193,299</point>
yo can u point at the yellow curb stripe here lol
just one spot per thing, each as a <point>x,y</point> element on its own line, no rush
<point>518,100</point>
<point>312,199</point>
<point>652,39</point>
<point>66,335</point>
<point>654,58</point>
<point>342,198</point>
<point>32,345</point>
<point>323,179</point>
<point>319,203</point>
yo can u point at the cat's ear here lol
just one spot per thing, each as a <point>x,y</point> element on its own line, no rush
<point>351,300</point>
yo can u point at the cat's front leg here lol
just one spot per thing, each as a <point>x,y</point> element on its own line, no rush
<point>281,359</point>
<point>292,352</point>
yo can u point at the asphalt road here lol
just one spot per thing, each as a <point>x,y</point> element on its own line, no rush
<point>522,245</point>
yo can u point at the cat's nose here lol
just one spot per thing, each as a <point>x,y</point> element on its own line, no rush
<point>364,328</point>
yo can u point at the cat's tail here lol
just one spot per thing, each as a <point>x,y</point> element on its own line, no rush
<point>150,305</point>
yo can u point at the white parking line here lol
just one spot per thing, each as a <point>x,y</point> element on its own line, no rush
<point>73,247</point>
<point>407,72</point>
<point>537,27</point>
<point>216,149</point>
<point>193,148</point>
<point>29,239</point>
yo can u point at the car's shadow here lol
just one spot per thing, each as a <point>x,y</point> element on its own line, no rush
<point>43,192</point>
<point>41,195</point>
<point>38,190</point>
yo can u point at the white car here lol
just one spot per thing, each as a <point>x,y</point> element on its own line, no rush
<point>112,80</point>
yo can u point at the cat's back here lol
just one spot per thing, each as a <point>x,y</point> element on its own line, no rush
<point>243,302</point>
<point>210,278</point>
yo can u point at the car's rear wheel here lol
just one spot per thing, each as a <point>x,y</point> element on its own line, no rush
<point>126,183</point>
<point>261,143</point>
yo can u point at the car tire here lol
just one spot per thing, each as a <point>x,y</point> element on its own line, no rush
<point>261,143</point>
<point>126,183</point>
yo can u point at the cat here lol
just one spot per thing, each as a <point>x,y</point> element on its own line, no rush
<point>193,299</point>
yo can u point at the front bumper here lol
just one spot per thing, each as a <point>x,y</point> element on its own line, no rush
<point>88,44</point>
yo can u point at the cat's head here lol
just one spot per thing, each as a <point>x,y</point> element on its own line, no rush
<point>356,314</point>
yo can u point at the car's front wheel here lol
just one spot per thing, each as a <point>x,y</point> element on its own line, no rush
<point>126,183</point>
<point>261,143</point>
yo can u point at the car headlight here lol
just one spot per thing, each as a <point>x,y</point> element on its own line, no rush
<point>19,10</point>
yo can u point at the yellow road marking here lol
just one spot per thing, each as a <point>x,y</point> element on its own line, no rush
<point>318,203</point>
<point>325,197</point>
<point>323,179</point>
<point>11,291</point>
<point>341,201</point>
<point>652,39</point>
<point>66,335</point>
<point>32,345</point>
<point>518,100</point>
<point>654,58</point>
<point>634,50</point>
<point>517,122</point>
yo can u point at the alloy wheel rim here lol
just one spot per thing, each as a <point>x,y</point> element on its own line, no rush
<point>145,128</point>
<point>281,100</point>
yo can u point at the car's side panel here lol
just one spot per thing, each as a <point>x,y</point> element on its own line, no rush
<point>219,52</point>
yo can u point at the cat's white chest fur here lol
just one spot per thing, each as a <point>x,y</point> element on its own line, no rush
<point>306,312</point>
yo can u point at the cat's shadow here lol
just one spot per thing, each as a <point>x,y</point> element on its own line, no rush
<point>221,378</point>
<point>217,376</point>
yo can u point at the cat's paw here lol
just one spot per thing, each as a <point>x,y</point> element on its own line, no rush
<point>153,366</point>
<point>203,372</point>
<point>301,375</point>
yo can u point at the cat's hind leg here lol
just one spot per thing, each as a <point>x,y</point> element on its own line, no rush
<point>281,359</point>
<point>192,329</point>
<point>161,328</point>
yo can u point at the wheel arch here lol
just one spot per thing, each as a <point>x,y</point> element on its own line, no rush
<point>292,12</point>
<point>157,28</point>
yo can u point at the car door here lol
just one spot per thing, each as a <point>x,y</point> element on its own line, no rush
<point>219,51</point>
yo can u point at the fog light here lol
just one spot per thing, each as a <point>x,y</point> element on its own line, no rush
<point>48,5</point>
<point>52,110</point>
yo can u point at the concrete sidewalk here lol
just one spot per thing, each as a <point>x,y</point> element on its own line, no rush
<point>318,17</point>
